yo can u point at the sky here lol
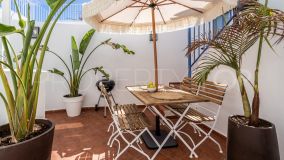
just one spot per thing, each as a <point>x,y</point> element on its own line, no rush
<point>43,1</point>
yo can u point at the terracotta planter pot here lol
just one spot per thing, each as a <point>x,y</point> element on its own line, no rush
<point>247,143</point>
<point>37,148</point>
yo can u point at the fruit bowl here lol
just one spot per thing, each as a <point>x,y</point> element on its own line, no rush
<point>151,90</point>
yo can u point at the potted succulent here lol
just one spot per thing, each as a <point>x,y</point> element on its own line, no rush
<point>249,136</point>
<point>25,137</point>
<point>77,71</point>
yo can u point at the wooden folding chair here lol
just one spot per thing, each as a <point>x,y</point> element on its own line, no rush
<point>127,120</point>
<point>199,114</point>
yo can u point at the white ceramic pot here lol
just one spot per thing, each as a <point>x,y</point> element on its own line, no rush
<point>73,105</point>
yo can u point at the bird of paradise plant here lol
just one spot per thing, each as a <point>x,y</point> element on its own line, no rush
<point>254,22</point>
<point>79,60</point>
<point>21,96</point>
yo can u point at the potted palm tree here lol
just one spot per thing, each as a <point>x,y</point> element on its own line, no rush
<point>25,137</point>
<point>249,136</point>
<point>77,71</point>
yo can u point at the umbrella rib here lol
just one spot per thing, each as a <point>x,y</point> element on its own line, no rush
<point>158,3</point>
<point>165,4</point>
<point>186,6</point>
<point>139,1</point>
<point>139,12</point>
<point>161,14</point>
<point>135,1</point>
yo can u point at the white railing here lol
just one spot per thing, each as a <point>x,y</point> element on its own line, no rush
<point>39,12</point>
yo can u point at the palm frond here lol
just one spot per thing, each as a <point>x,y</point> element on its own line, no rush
<point>257,17</point>
<point>226,49</point>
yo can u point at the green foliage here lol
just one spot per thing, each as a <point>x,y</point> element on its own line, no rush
<point>86,41</point>
<point>75,54</point>
<point>102,71</point>
<point>7,30</point>
<point>21,96</point>
<point>52,3</point>
<point>267,23</point>
<point>254,23</point>
<point>56,71</point>
<point>22,23</point>
<point>77,70</point>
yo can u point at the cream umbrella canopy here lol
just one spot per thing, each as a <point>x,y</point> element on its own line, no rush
<point>148,16</point>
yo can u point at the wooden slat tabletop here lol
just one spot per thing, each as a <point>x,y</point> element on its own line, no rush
<point>145,97</point>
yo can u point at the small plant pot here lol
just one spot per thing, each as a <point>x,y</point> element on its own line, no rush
<point>36,148</point>
<point>73,105</point>
<point>248,142</point>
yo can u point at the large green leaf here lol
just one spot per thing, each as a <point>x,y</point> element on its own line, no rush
<point>53,3</point>
<point>6,30</point>
<point>102,71</point>
<point>86,41</point>
<point>75,54</point>
<point>56,71</point>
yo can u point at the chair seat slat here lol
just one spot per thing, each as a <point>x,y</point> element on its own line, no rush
<point>195,116</point>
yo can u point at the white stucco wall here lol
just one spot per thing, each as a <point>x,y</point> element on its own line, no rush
<point>124,69</point>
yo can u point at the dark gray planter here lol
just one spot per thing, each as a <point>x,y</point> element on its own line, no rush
<point>252,143</point>
<point>37,148</point>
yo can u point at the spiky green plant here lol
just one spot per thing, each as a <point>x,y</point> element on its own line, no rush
<point>21,96</point>
<point>253,23</point>
<point>267,23</point>
<point>79,59</point>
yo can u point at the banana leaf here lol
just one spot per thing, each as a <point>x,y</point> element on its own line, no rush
<point>75,54</point>
<point>56,71</point>
<point>102,71</point>
<point>53,3</point>
<point>7,30</point>
<point>86,41</point>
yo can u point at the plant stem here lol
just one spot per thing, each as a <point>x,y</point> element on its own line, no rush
<point>256,100</point>
<point>10,62</point>
<point>245,100</point>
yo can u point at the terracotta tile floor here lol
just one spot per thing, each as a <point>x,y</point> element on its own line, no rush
<point>85,138</point>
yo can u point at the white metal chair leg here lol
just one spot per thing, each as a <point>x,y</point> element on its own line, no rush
<point>160,146</point>
<point>118,149</point>
<point>110,126</point>
<point>132,146</point>
<point>181,132</point>
<point>145,109</point>
<point>173,131</point>
<point>217,143</point>
<point>192,154</point>
<point>196,130</point>
<point>139,139</point>
<point>111,137</point>
<point>208,135</point>
<point>115,138</point>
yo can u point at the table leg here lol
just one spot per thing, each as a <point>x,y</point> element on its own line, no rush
<point>160,136</point>
<point>158,126</point>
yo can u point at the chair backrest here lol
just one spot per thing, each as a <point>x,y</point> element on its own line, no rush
<point>213,91</point>
<point>106,95</point>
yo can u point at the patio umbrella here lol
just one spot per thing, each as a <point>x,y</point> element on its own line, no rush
<point>150,16</point>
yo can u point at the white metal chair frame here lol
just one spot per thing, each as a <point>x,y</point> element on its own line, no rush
<point>117,132</point>
<point>197,129</point>
<point>173,131</point>
<point>202,92</point>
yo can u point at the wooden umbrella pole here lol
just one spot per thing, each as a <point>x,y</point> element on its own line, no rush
<point>155,47</point>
